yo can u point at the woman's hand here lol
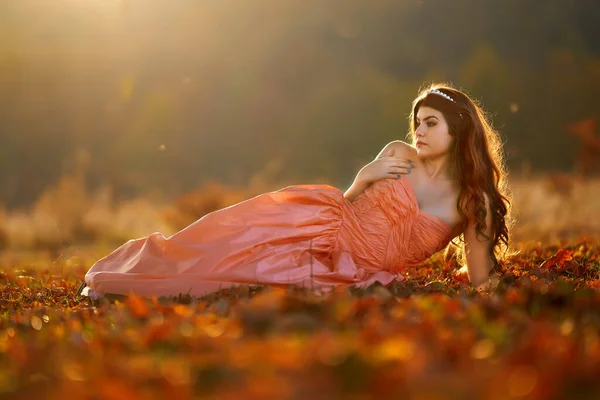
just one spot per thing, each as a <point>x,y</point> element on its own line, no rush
<point>489,285</point>
<point>385,166</point>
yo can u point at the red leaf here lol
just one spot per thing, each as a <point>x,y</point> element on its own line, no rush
<point>559,259</point>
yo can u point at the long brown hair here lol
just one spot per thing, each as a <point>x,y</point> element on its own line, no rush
<point>477,161</point>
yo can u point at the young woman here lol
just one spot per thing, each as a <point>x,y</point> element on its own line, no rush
<point>404,206</point>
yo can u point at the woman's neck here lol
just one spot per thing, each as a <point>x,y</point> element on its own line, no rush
<point>439,169</point>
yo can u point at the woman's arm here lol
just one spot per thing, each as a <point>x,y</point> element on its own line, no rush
<point>396,148</point>
<point>479,261</point>
<point>358,186</point>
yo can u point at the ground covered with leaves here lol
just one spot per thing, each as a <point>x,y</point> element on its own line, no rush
<point>537,336</point>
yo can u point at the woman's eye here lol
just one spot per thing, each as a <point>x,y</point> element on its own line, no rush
<point>432,124</point>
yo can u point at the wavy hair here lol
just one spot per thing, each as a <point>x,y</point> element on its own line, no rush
<point>477,161</point>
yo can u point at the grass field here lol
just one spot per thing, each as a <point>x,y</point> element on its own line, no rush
<point>429,337</point>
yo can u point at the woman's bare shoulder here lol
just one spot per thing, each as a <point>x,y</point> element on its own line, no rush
<point>401,149</point>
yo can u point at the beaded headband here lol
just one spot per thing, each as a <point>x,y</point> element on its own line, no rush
<point>435,91</point>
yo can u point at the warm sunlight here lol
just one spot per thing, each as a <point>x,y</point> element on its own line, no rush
<point>225,199</point>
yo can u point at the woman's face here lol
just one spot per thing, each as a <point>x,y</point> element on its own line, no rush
<point>432,138</point>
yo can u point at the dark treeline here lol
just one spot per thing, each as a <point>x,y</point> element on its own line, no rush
<point>153,95</point>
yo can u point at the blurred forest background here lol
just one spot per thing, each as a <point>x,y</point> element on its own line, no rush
<point>105,104</point>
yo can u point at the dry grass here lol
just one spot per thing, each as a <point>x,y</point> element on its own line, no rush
<point>556,206</point>
<point>548,208</point>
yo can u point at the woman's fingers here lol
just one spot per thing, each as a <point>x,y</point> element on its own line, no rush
<point>399,163</point>
<point>394,168</point>
<point>400,172</point>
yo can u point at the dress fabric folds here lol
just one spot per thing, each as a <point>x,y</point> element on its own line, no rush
<point>302,235</point>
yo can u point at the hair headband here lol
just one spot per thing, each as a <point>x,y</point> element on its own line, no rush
<point>435,91</point>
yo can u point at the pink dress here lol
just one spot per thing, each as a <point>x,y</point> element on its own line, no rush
<point>281,238</point>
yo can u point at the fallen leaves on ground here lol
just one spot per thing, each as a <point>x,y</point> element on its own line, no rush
<point>428,337</point>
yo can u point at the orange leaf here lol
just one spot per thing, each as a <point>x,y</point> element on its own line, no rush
<point>157,333</point>
<point>118,390</point>
<point>559,259</point>
<point>137,305</point>
<point>182,310</point>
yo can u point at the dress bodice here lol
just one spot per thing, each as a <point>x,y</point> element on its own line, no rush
<point>391,230</point>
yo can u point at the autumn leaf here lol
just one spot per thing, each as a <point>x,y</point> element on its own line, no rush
<point>375,340</point>
<point>137,305</point>
<point>558,259</point>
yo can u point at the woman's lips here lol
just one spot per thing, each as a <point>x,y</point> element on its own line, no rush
<point>420,144</point>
